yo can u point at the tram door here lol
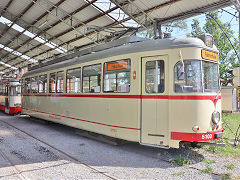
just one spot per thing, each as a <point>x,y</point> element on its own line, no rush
<point>6,97</point>
<point>154,108</point>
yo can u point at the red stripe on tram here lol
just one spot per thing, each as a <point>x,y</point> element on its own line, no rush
<point>118,96</point>
<point>170,97</point>
<point>88,95</point>
<point>82,120</point>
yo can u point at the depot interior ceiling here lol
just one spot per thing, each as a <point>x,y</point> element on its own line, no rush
<point>33,31</point>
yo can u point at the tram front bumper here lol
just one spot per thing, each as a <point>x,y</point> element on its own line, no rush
<point>196,136</point>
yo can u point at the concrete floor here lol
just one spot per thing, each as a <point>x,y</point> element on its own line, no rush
<point>59,153</point>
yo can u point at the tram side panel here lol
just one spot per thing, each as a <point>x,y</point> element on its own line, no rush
<point>2,97</point>
<point>111,114</point>
<point>108,116</point>
<point>2,103</point>
<point>14,105</point>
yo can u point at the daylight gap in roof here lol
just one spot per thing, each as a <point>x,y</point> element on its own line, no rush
<point>117,14</point>
<point>17,54</point>
<point>32,35</point>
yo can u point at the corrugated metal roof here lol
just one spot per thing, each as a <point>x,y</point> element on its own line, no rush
<point>66,25</point>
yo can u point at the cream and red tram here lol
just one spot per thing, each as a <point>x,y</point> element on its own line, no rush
<point>155,92</point>
<point>10,96</point>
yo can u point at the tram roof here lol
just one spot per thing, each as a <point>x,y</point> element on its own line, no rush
<point>41,30</point>
<point>146,45</point>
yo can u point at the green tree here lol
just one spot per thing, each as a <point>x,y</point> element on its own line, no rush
<point>196,29</point>
<point>227,56</point>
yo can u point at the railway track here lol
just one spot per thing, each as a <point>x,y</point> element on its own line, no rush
<point>73,159</point>
<point>18,172</point>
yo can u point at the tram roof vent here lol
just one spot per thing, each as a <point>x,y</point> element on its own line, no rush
<point>101,47</point>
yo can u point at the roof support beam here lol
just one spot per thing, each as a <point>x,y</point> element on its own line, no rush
<point>115,23</point>
<point>58,22</point>
<point>34,30</point>
<point>38,19</point>
<point>236,3</point>
<point>220,4</point>
<point>7,6</point>
<point>130,8</point>
<point>105,13</point>
<point>12,41</point>
<point>18,17</point>
<point>63,21</point>
<point>77,26</point>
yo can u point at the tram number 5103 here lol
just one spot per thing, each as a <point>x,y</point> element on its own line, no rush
<point>207,136</point>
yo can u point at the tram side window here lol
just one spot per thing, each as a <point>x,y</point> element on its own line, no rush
<point>73,80</point>
<point>15,91</point>
<point>27,86</point>
<point>60,75</point>
<point>117,76</point>
<point>1,89</point>
<point>34,84</point>
<point>43,83</point>
<point>6,91</point>
<point>92,78</point>
<point>188,77</point>
<point>155,76</point>
<point>52,83</point>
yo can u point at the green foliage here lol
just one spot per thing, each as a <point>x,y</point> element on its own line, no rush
<point>228,150</point>
<point>196,29</point>
<point>178,174</point>
<point>233,122</point>
<point>207,170</point>
<point>208,161</point>
<point>178,24</point>
<point>180,161</point>
<point>210,148</point>
<point>226,176</point>
<point>230,166</point>
<point>227,56</point>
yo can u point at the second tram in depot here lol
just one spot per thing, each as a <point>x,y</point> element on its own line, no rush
<point>156,92</point>
<point>10,96</point>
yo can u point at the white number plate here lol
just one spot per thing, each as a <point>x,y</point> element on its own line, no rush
<point>207,136</point>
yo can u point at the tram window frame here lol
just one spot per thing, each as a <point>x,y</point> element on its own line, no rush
<point>115,68</point>
<point>42,89</point>
<point>160,86</point>
<point>59,89</point>
<point>182,82</point>
<point>88,77</point>
<point>27,87</point>
<point>34,87</point>
<point>52,89</point>
<point>71,86</point>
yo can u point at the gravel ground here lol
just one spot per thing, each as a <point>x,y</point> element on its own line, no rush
<point>23,157</point>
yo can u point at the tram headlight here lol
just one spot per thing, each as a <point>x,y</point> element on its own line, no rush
<point>216,117</point>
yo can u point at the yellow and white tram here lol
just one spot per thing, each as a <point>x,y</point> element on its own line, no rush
<point>10,96</point>
<point>155,92</point>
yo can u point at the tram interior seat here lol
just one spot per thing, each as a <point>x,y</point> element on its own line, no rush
<point>187,88</point>
<point>182,89</point>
